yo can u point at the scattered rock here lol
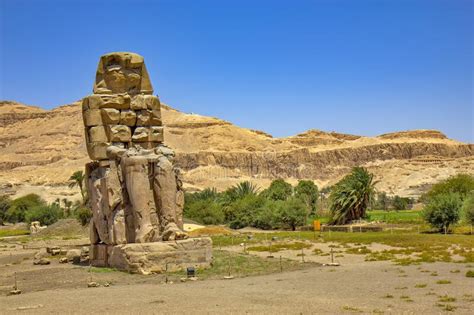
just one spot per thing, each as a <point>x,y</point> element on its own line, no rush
<point>14,292</point>
<point>93,284</point>
<point>42,253</point>
<point>63,260</point>
<point>74,256</point>
<point>41,261</point>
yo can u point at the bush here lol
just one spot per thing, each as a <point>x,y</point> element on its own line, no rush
<point>401,203</point>
<point>382,201</point>
<point>83,215</point>
<point>468,209</point>
<point>461,184</point>
<point>443,210</point>
<point>45,214</point>
<point>243,212</point>
<point>4,206</point>
<point>278,190</point>
<point>307,192</point>
<point>20,206</point>
<point>205,211</point>
<point>291,213</point>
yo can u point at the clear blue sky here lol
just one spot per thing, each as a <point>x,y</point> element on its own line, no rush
<point>357,66</point>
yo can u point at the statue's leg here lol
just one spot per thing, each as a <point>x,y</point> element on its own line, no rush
<point>114,204</point>
<point>179,200</point>
<point>165,193</point>
<point>93,234</point>
<point>99,217</point>
<point>137,181</point>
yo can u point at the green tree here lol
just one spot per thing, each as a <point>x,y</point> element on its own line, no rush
<point>443,210</point>
<point>83,214</point>
<point>468,210</point>
<point>382,201</point>
<point>401,203</point>
<point>45,214</point>
<point>205,211</point>
<point>461,184</point>
<point>278,190</point>
<point>291,213</point>
<point>20,206</point>
<point>5,202</point>
<point>245,188</point>
<point>77,179</point>
<point>351,196</point>
<point>307,192</point>
<point>242,212</point>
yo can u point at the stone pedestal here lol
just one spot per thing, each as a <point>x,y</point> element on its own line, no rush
<point>156,257</point>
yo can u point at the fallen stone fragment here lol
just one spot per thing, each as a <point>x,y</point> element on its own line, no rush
<point>93,284</point>
<point>41,261</point>
<point>32,307</point>
<point>74,256</point>
<point>14,292</point>
<point>63,260</point>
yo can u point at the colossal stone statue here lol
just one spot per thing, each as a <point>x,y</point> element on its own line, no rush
<point>135,192</point>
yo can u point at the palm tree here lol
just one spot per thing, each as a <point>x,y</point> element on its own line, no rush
<point>243,189</point>
<point>351,196</point>
<point>78,180</point>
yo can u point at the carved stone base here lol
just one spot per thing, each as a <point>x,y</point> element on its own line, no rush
<point>157,257</point>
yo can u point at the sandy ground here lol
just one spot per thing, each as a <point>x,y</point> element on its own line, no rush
<point>354,287</point>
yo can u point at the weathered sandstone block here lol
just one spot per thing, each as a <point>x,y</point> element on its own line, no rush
<point>128,118</point>
<point>92,117</point>
<point>97,134</point>
<point>157,257</point>
<point>110,116</point>
<point>120,133</point>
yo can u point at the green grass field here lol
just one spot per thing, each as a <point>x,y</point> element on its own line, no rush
<point>428,247</point>
<point>392,216</point>
<point>5,233</point>
<point>403,216</point>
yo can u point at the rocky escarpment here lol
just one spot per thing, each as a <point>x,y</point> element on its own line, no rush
<point>39,147</point>
<point>323,165</point>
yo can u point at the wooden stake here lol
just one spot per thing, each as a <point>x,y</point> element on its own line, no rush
<point>332,256</point>
<point>281,265</point>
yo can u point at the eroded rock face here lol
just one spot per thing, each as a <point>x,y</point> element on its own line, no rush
<point>134,189</point>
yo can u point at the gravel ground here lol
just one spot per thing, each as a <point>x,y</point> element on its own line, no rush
<point>353,287</point>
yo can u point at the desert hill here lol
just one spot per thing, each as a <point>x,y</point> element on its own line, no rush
<point>40,149</point>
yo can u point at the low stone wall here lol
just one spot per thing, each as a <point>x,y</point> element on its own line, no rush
<point>351,228</point>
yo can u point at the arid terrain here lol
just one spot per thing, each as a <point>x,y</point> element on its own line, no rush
<point>358,285</point>
<point>40,149</point>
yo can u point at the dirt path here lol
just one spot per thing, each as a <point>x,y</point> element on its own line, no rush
<point>351,288</point>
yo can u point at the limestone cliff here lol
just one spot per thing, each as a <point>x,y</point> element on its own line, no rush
<point>40,149</point>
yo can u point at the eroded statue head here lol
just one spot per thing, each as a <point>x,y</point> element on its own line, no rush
<point>122,72</point>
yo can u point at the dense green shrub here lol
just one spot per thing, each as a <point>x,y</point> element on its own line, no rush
<point>242,212</point>
<point>83,215</point>
<point>401,203</point>
<point>443,210</point>
<point>20,206</point>
<point>45,214</point>
<point>290,213</point>
<point>205,211</point>
<point>278,190</point>
<point>468,209</point>
<point>307,192</point>
<point>5,203</point>
<point>462,184</point>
